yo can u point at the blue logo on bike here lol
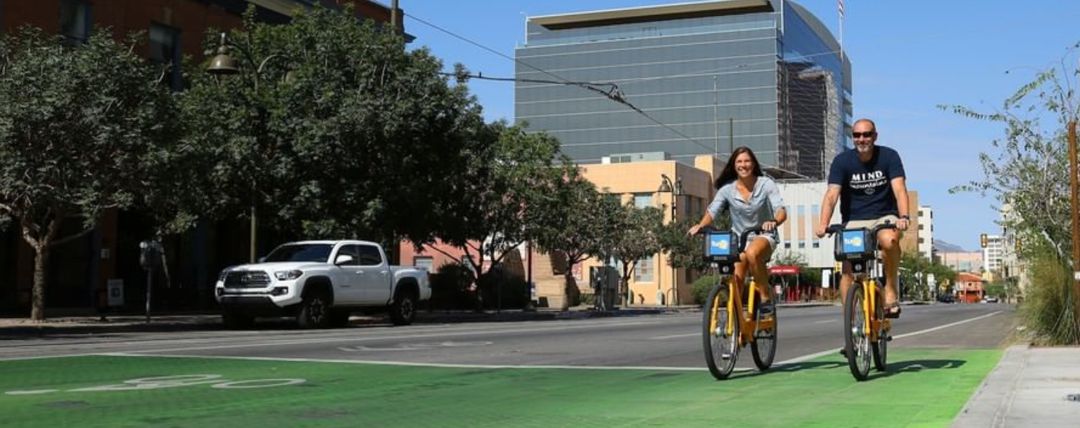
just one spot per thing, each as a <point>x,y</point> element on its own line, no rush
<point>719,244</point>
<point>854,241</point>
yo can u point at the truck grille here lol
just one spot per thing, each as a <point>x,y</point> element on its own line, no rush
<point>247,279</point>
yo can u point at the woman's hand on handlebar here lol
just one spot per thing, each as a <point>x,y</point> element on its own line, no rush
<point>694,230</point>
<point>768,226</point>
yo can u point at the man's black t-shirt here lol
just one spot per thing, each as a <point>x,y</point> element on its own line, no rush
<point>866,192</point>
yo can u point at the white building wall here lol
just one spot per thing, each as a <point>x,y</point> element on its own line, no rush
<point>993,254</point>
<point>926,232</point>
<point>802,200</point>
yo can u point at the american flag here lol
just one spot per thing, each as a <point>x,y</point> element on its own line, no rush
<point>840,7</point>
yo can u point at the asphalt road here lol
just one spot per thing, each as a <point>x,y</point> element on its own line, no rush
<point>669,341</point>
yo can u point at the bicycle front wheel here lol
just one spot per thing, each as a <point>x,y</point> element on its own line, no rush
<point>763,348</point>
<point>721,345</point>
<point>856,343</point>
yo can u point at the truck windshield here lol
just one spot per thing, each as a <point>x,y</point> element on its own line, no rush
<point>300,253</point>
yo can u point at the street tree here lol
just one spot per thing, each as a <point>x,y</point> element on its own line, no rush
<point>640,238</point>
<point>331,128</point>
<point>1027,170</point>
<point>576,222</point>
<point>684,252</point>
<point>80,127</point>
<point>504,194</point>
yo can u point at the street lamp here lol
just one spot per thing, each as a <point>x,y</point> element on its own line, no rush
<point>223,64</point>
<point>676,190</point>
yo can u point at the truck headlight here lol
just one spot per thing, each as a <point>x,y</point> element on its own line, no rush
<point>288,274</point>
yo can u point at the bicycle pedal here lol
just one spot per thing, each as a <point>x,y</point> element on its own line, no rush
<point>888,338</point>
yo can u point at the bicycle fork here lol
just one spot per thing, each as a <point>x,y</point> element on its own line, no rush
<point>870,312</point>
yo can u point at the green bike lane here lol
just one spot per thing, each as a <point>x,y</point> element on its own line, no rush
<point>922,388</point>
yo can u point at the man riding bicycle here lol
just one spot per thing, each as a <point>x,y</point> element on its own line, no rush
<point>869,182</point>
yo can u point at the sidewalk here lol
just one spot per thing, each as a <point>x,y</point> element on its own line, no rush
<point>1030,387</point>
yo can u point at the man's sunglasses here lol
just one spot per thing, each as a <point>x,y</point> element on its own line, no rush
<point>867,134</point>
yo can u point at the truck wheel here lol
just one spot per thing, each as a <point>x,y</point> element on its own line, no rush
<point>235,320</point>
<point>314,311</point>
<point>403,310</point>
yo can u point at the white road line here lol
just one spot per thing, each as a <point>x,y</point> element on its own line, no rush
<point>675,336</point>
<point>396,337</point>
<point>824,321</point>
<point>411,364</point>
<point>833,351</point>
<point>946,325</point>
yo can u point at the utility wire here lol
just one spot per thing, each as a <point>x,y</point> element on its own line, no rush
<point>613,94</point>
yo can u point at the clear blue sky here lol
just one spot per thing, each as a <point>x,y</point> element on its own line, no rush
<point>907,58</point>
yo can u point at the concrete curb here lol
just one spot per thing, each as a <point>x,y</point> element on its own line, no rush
<point>991,402</point>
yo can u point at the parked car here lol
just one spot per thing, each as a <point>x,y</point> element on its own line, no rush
<point>946,298</point>
<point>321,283</point>
<point>989,299</point>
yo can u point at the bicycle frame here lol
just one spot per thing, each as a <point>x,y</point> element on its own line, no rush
<point>747,322</point>
<point>870,296</point>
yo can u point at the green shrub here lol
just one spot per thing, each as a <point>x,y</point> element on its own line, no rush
<point>700,288</point>
<point>1048,304</point>
<point>449,288</point>
<point>515,293</point>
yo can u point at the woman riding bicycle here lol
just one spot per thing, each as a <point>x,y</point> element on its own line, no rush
<point>753,200</point>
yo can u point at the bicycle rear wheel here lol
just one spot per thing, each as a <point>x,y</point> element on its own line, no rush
<point>856,343</point>
<point>763,348</point>
<point>880,347</point>
<point>721,346</point>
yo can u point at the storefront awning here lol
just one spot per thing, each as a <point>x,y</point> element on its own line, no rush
<point>784,270</point>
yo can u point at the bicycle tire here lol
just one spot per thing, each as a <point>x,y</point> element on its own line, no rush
<point>855,340</point>
<point>716,342</point>
<point>880,348</point>
<point>763,348</point>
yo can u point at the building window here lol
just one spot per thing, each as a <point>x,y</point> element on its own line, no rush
<point>643,200</point>
<point>423,262</point>
<point>643,272</point>
<point>817,244</point>
<point>74,21</point>
<point>787,244</point>
<point>920,241</point>
<point>165,51</point>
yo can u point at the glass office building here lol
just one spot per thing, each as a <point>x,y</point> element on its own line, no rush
<point>696,78</point>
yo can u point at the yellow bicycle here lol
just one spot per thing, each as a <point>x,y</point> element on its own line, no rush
<point>727,325</point>
<point>866,330</point>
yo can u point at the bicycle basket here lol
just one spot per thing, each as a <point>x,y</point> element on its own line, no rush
<point>722,247</point>
<point>853,244</point>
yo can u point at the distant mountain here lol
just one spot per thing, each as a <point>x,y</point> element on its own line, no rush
<point>945,247</point>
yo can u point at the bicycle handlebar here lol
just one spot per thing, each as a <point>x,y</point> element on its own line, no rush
<point>742,236</point>
<point>833,228</point>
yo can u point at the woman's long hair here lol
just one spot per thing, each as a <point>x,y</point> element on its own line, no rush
<point>728,174</point>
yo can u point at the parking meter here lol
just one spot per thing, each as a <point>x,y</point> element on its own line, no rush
<point>150,253</point>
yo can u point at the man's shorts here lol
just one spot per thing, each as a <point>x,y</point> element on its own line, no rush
<point>872,223</point>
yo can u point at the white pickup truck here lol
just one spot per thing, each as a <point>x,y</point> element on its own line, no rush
<point>321,283</point>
